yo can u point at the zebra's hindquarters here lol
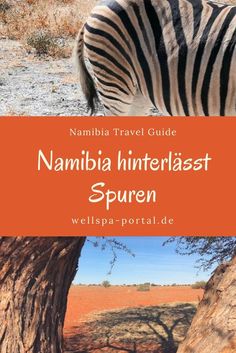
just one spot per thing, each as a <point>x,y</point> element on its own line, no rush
<point>113,63</point>
<point>176,55</point>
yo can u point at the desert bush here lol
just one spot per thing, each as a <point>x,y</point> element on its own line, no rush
<point>63,18</point>
<point>144,287</point>
<point>199,285</point>
<point>26,20</point>
<point>4,6</point>
<point>106,284</point>
<point>65,1</point>
<point>42,41</point>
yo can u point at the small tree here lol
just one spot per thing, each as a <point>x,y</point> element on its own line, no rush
<point>106,284</point>
<point>199,285</point>
<point>145,287</point>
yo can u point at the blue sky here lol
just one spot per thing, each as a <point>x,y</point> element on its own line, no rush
<point>152,263</point>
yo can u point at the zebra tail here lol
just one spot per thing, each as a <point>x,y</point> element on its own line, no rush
<point>86,80</point>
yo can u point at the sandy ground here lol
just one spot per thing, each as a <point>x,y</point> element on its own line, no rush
<point>37,86</point>
<point>122,319</point>
<point>85,300</point>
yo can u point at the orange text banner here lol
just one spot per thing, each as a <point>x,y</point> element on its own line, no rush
<point>117,176</point>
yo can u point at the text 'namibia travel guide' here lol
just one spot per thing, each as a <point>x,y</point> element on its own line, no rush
<point>117,149</point>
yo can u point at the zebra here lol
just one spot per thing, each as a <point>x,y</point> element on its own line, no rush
<point>176,55</point>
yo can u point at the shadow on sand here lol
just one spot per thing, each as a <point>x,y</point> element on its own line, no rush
<point>154,329</point>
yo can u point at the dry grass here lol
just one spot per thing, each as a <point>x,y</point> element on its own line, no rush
<point>50,23</point>
<point>47,26</point>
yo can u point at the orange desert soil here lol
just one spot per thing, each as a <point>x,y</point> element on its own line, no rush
<point>86,300</point>
<point>121,319</point>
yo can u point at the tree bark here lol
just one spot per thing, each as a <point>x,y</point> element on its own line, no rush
<point>35,276</point>
<point>213,329</point>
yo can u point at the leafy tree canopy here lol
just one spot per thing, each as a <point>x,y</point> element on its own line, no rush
<point>212,250</point>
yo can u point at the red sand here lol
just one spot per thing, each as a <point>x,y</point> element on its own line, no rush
<point>84,300</point>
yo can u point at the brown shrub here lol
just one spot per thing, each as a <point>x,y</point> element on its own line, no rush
<point>145,287</point>
<point>4,6</point>
<point>199,285</point>
<point>31,15</point>
<point>25,20</point>
<point>45,44</point>
<point>21,20</point>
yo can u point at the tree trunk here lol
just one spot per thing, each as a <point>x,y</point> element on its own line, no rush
<point>213,329</point>
<point>35,276</point>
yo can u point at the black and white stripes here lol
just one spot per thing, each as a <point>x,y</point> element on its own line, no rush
<point>176,55</point>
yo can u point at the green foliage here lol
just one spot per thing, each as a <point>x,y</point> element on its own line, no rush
<point>145,287</point>
<point>199,285</point>
<point>106,284</point>
<point>212,250</point>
